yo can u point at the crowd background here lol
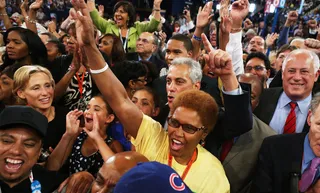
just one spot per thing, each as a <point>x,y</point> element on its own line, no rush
<point>216,92</point>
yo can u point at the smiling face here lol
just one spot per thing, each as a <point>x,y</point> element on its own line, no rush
<point>98,106</point>
<point>106,45</point>
<point>182,144</point>
<point>257,67</point>
<point>121,17</point>
<point>178,80</point>
<point>16,48</point>
<point>19,152</point>
<point>38,92</point>
<point>298,76</point>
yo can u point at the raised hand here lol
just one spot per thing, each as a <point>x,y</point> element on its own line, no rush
<point>187,15</point>
<point>248,24</point>
<point>292,18</point>
<point>2,4</point>
<point>24,5</point>
<point>36,5</point>
<point>271,38</point>
<point>218,61</point>
<point>94,132</point>
<point>101,10</point>
<point>224,8</point>
<point>239,11</point>
<point>204,15</point>
<point>72,122</point>
<point>313,45</point>
<point>157,3</point>
<point>84,25</point>
<point>226,24</point>
<point>52,27</point>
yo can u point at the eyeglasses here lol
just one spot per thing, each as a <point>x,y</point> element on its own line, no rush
<point>256,68</point>
<point>185,127</point>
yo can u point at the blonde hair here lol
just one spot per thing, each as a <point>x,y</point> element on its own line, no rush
<point>22,76</point>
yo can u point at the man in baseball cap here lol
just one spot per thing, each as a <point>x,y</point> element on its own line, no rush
<point>21,132</point>
<point>151,177</point>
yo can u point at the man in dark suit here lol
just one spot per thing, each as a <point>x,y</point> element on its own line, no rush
<point>146,46</point>
<point>239,160</point>
<point>184,74</point>
<point>299,74</point>
<point>284,160</point>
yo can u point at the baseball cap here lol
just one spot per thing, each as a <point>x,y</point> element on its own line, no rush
<point>24,115</point>
<point>151,177</point>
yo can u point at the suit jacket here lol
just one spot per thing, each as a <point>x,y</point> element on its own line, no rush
<point>240,162</point>
<point>267,106</point>
<point>208,85</point>
<point>158,63</point>
<point>279,164</point>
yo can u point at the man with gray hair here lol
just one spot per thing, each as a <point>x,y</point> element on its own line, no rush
<point>286,109</point>
<point>185,73</point>
<point>290,163</point>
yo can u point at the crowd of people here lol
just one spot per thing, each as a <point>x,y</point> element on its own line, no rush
<point>211,104</point>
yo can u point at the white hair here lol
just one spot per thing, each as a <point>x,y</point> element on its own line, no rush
<point>194,68</point>
<point>312,55</point>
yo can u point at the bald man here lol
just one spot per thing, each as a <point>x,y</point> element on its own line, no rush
<point>240,162</point>
<point>115,167</point>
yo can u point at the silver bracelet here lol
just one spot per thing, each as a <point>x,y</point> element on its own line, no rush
<point>30,20</point>
<point>100,70</point>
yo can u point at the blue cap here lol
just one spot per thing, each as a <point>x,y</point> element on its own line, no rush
<point>151,177</point>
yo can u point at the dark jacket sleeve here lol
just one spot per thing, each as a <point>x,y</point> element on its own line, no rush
<point>233,121</point>
<point>236,119</point>
<point>262,180</point>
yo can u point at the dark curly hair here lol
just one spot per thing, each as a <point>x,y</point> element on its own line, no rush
<point>261,56</point>
<point>129,70</point>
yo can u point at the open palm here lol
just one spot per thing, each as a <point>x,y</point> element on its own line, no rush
<point>36,5</point>
<point>2,4</point>
<point>204,15</point>
<point>239,10</point>
<point>84,25</point>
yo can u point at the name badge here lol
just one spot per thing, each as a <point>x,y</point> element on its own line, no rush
<point>35,187</point>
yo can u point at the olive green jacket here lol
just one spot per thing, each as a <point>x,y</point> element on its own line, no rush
<point>108,26</point>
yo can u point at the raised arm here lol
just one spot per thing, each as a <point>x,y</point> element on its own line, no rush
<point>203,18</point>
<point>110,87</point>
<point>4,15</point>
<point>157,9</point>
<point>64,147</point>
<point>23,8</point>
<point>31,19</point>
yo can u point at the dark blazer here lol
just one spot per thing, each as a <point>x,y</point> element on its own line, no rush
<point>159,64</point>
<point>268,103</point>
<point>241,161</point>
<point>208,85</point>
<point>279,164</point>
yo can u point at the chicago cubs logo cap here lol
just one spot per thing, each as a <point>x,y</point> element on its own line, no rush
<point>151,177</point>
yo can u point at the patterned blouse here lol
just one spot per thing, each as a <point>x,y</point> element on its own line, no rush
<point>79,162</point>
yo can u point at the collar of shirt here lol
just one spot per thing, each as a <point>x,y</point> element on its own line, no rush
<point>303,105</point>
<point>308,154</point>
<point>139,58</point>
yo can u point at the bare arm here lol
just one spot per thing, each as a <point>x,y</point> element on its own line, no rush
<point>203,18</point>
<point>31,19</point>
<point>156,9</point>
<point>110,87</point>
<point>64,147</point>
<point>4,15</point>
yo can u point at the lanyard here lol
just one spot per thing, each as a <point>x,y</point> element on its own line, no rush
<point>185,172</point>
<point>35,184</point>
<point>80,83</point>
<point>126,41</point>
